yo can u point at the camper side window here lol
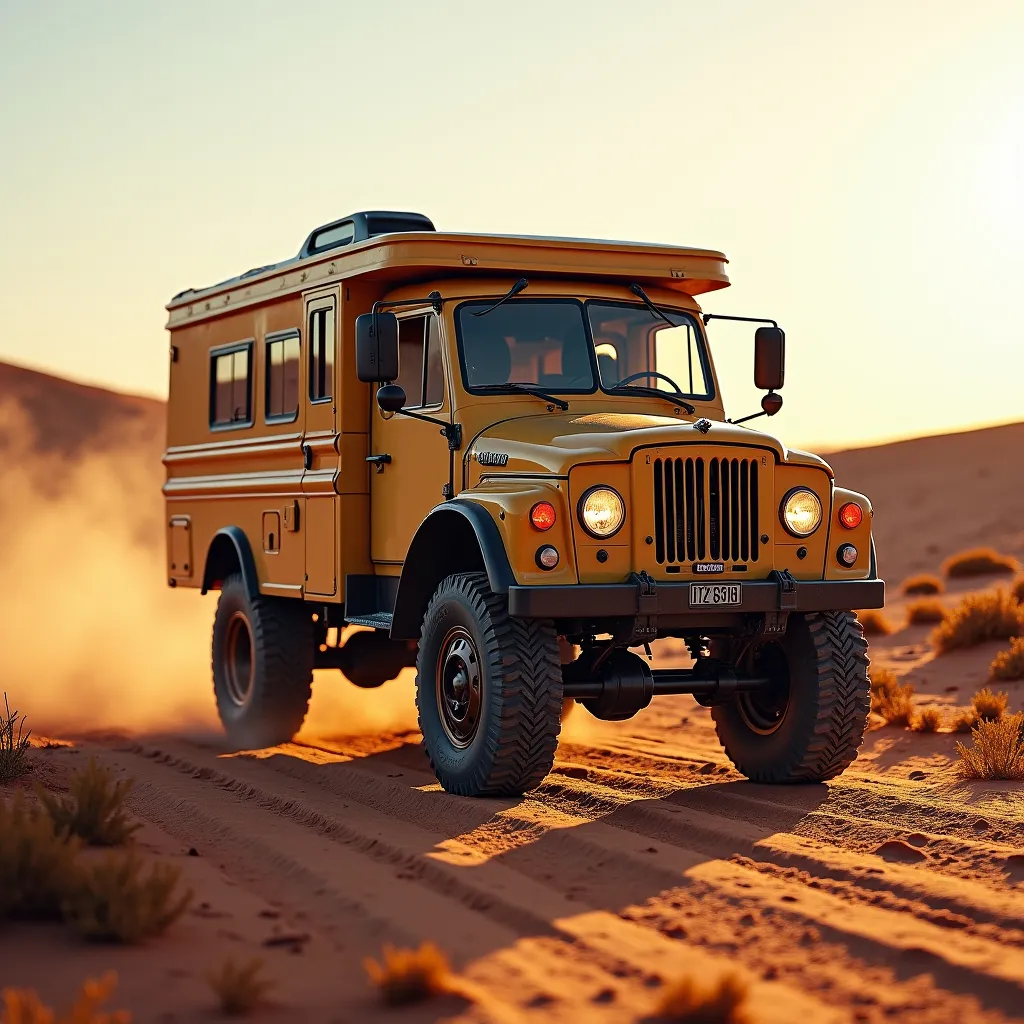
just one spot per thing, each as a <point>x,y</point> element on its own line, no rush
<point>282,403</point>
<point>321,354</point>
<point>231,386</point>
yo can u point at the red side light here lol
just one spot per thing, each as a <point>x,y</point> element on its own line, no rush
<point>542,515</point>
<point>851,515</point>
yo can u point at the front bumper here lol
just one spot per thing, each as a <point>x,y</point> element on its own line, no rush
<point>622,600</point>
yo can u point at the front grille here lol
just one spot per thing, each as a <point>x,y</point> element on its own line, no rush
<point>705,510</point>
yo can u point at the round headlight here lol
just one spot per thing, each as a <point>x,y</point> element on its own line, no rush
<point>801,512</point>
<point>602,512</point>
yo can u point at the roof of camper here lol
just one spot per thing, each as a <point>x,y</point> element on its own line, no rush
<point>422,253</point>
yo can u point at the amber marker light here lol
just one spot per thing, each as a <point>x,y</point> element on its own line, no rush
<point>851,515</point>
<point>542,515</point>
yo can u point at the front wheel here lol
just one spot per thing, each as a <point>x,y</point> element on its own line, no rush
<point>808,726</point>
<point>488,691</point>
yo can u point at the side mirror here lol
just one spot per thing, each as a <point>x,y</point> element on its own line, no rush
<point>376,347</point>
<point>391,398</point>
<point>769,358</point>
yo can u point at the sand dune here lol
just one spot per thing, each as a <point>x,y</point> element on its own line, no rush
<point>893,893</point>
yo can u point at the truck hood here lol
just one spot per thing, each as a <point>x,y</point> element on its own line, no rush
<point>555,442</point>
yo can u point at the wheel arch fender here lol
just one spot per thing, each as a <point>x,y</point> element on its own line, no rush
<point>458,536</point>
<point>230,551</point>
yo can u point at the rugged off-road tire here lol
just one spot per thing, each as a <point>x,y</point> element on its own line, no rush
<point>824,655</point>
<point>515,666</point>
<point>263,651</point>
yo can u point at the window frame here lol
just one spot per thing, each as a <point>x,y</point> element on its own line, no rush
<point>426,313</point>
<point>314,308</point>
<point>702,345</point>
<point>268,340</point>
<point>484,300</point>
<point>216,353</point>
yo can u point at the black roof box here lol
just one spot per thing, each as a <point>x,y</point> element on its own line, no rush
<point>357,227</point>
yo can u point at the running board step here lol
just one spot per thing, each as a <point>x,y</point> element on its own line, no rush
<point>379,620</point>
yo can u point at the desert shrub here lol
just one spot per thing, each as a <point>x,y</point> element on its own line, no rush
<point>722,1000</point>
<point>979,562</point>
<point>113,902</point>
<point>990,706</point>
<point>240,988</point>
<point>925,583</point>
<point>37,863</point>
<point>409,975</point>
<point>990,615</point>
<point>925,610</point>
<point>996,752</point>
<point>13,745</point>
<point>890,698</point>
<point>23,1006</point>
<point>94,807</point>
<point>1017,589</point>
<point>965,720</point>
<point>1009,664</point>
<point>927,720</point>
<point>874,622</point>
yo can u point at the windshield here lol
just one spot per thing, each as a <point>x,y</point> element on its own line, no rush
<point>630,340</point>
<point>526,341</point>
<point>552,344</point>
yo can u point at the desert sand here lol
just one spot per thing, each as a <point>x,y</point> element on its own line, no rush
<point>891,893</point>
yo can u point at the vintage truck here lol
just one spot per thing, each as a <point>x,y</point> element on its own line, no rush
<point>507,459</point>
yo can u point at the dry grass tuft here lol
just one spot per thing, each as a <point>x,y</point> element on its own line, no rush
<point>410,975</point>
<point>979,562</point>
<point>37,864</point>
<point>14,760</point>
<point>23,1006</point>
<point>698,1001</point>
<point>989,705</point>
<point>239,987</point>
<point>927,720</point>
<point>925,610</point>
<point>965,720</point>
<point>997,751</point>
<point>114,903</point>
<point>989,615</point>
<point>94,807</point>
<point>1017,589</point>
<point>874,622</point>
<point>890,698</point>
<point>1009,665</point>
<point>924,583</point>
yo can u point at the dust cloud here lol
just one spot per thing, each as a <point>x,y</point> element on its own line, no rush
<point>91,637</point>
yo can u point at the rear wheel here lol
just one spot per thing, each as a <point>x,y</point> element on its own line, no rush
<point>488,691</point>
<point>808,725</point>
<point>262,665</point>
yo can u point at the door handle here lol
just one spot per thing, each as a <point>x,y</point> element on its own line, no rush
<point>307,456</point>
<point>380,461</point>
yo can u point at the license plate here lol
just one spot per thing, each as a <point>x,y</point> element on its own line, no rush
<point>714,594</point>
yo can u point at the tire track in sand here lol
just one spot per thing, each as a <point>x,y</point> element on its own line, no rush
<point>505,872</point>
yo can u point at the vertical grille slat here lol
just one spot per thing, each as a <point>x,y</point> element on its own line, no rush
<point>706,509</point>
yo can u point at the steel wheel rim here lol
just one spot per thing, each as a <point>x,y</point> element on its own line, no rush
<point>764,712</point>
<point>239,667</point>
<point>459,687</point>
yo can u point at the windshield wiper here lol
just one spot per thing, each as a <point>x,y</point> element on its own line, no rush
<point>654,393</point>
<point>642,295</point>
<point>518,387</point>
<point>511,294</point>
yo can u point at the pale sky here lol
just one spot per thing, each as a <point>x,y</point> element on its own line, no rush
<point>861,164</point>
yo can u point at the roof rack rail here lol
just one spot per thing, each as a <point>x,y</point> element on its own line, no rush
<point>357,227</point>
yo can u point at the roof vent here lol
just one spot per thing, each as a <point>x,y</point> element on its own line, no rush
<point>358,227</point>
